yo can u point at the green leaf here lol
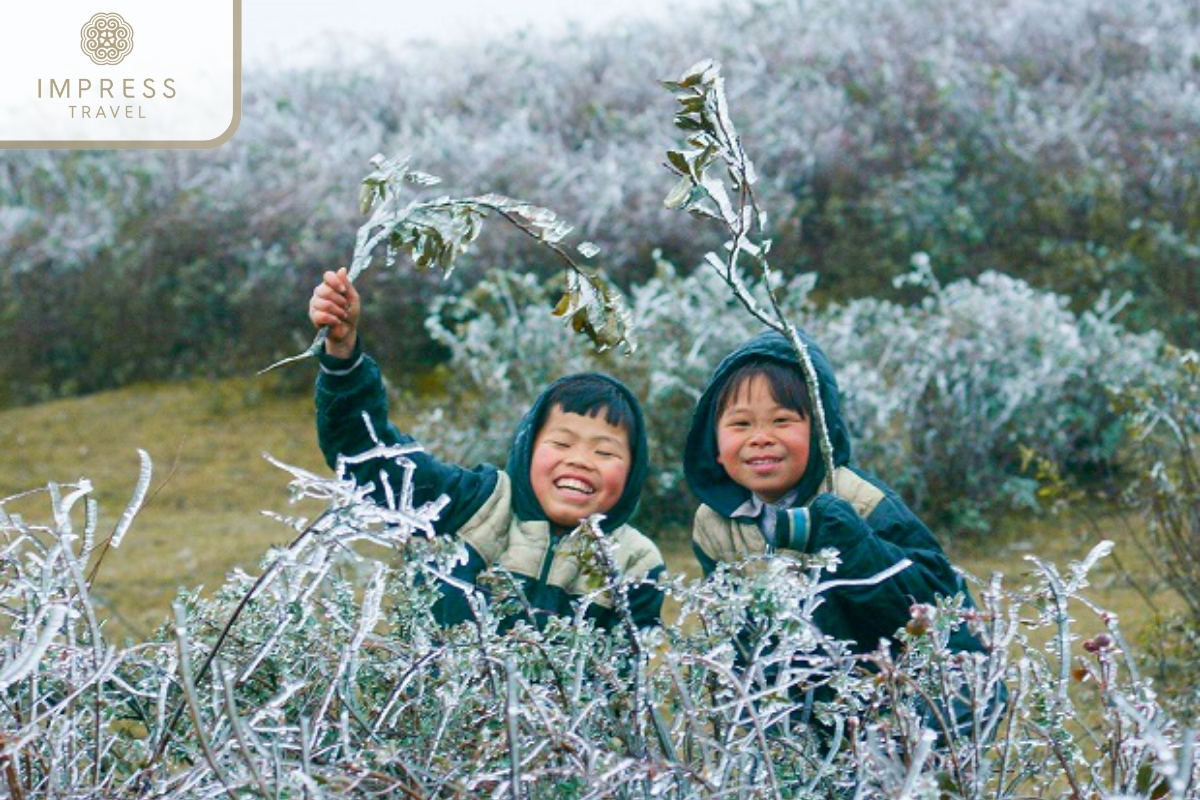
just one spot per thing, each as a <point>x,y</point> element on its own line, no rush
<point>679,162</point>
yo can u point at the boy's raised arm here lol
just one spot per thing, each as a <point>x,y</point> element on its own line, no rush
<point>350,388</point>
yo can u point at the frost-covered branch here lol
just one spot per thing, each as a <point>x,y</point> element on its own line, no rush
<point>704,117</point>
<point>436,232</point>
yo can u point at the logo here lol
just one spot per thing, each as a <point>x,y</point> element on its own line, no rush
<point>106,38</point>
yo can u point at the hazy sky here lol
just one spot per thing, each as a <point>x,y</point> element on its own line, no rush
<point>275,30</point>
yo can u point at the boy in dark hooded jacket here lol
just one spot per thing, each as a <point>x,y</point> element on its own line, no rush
<point>755,462</point>
<point>580,450</point>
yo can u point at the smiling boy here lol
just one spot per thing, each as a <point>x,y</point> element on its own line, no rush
<point>580,450</point>
<point>754,461</point>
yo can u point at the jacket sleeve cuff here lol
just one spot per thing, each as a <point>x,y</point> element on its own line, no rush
<point>340,367</point>
<point>792,530</point>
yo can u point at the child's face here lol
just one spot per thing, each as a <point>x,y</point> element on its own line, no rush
<point>762,445</point>
<point>579,466</point>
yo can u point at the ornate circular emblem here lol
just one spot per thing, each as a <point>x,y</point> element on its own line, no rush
<point>106,38</point>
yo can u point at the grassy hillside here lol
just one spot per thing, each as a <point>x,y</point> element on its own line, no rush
<point>211,483</point>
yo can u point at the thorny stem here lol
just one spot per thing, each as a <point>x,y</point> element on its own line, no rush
<point>11,777</point>
<point>690,715</point>
<point>1062,701</point>
<point>394,697</point>
<point>1062,619</point>
<point>392,783</point>
<point>33,727</point>
<point>81,587</point>
<point>560,680</point>
<point>839,731</point>
<point>1006,751</point>
<point>932,706</point>
<point>479,615</point>
<point>747,705</point>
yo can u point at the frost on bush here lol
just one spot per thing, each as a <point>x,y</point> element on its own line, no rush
<point>943,395</point>
<point>320,678</point>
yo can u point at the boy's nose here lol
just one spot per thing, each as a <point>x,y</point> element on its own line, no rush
<point>578,458</point>
<point>760,437</point>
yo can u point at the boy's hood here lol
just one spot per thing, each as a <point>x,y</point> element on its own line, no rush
<point>708,480</point>
<point>525,502</point>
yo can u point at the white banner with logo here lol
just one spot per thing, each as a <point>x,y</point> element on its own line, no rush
<point>121,73</point>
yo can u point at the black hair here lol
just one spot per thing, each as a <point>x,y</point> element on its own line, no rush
<point>588,395</point>
<point>786,383</point>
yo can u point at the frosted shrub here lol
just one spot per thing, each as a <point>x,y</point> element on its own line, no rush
<point>945,394</point>
<point>308,681</point>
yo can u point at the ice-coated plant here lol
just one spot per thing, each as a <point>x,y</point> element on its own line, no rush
<point>731,200</point>
<point>946,394</point>
<point>434,233</point>
<point>326,675</point>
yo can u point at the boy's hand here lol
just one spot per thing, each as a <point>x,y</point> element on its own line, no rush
<point>335,307</point>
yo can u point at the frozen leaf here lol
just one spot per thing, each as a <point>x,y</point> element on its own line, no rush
<point>697,73</point>
<point>680,194</point>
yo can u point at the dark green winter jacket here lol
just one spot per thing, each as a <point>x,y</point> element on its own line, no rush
<point>862,518</point>
<point>494,512</point>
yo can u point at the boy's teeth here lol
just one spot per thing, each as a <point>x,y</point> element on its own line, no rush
<point>578,486</point>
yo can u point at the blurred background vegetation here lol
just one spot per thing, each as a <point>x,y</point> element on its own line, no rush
<point>1053,141</point>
